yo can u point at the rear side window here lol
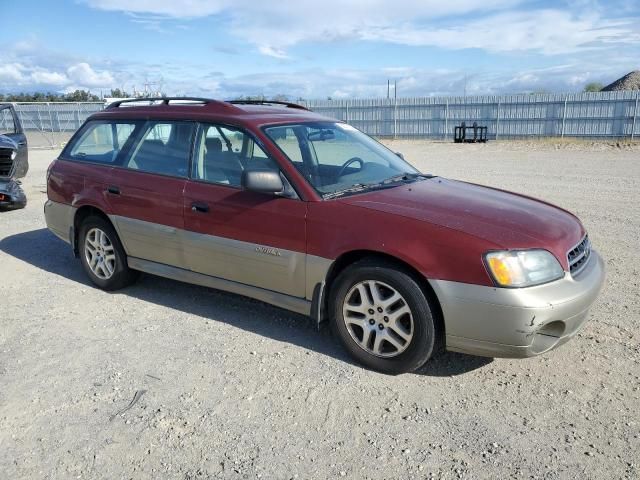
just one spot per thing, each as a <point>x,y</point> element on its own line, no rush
<point>163,147</point>
<point>7,123</point>
<point>101,142</point>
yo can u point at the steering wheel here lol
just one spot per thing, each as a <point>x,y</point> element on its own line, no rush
<point>348,163</point>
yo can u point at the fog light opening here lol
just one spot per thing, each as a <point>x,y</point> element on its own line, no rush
<point>547,337</point>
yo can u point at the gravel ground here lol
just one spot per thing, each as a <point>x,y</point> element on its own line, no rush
<point>232,388</point>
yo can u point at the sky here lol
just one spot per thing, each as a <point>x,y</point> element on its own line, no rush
<point>316,49</point>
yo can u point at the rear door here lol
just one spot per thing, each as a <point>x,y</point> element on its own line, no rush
<point>146,192</point>
<point>243,236</point>
<point>11,127</point>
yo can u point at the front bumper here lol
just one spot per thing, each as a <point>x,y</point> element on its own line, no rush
<point>518,322</point>
<point>11,195</point>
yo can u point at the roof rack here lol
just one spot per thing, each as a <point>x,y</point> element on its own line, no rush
<point>163,100</point>
<point>267,102</point>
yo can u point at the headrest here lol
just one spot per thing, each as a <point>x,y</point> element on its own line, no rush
<point>213,145</point>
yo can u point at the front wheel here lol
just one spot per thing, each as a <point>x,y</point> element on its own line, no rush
<point>103,256</point>
<point>383,318</point>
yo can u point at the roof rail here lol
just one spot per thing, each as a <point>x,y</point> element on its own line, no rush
<point>163,100</point>
<point>267,102</point>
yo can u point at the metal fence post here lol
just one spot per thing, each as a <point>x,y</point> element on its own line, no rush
<point>395,118</point>
<point>564,116</point>
<point>497,120</point>
<point>50,116</point>
<point>635,115</point>
<point>446,118</point>
<point>346,114</point>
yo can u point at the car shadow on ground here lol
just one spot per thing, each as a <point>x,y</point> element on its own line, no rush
<point>44,250</point>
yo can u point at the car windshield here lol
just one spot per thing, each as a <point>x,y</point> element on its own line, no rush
<point>338,159</point>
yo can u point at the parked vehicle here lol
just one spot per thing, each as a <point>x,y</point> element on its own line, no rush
<point>14,159</point>
<point>277,203</point>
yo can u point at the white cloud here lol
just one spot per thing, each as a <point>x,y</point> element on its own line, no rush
<point>272,52</point>
<point>29,66</point>
<point>44,77</point>
<point>545,31</point>
<point>11,73</point>
<point>169,8</point>
<point>83,74</point>
<point>494,25</point>
<point>326,12</point>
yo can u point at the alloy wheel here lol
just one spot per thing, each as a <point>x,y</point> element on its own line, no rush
<point>378,318</point>
<point>100,254</point>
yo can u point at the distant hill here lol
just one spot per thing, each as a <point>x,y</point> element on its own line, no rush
<point>631,81</point>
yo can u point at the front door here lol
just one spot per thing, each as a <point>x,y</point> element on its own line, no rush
<point>234,234</point>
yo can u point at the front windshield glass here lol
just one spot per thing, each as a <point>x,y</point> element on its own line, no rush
<point>335,157</point>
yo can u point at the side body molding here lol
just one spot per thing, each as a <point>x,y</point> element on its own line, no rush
<point>294,304</point>
<point>162,247</point>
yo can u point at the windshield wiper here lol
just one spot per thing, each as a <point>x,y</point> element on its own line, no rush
<point>387,183</point>
<point>356,188</point>
<point>405,177</point>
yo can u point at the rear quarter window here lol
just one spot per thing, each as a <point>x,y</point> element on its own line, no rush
<point>101,142</point>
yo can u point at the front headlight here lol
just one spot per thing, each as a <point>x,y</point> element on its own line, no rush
<point>523,268</point>
<point>14,154</point>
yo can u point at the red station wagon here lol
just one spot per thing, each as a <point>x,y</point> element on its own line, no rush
<point>272,201</point>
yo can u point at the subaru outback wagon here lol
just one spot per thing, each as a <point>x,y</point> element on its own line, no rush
<point>272,201</point>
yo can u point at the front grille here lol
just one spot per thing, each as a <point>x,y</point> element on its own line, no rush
<point>6,164</point>
<point>578,256</point>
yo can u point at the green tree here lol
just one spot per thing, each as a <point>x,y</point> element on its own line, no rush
<point>593,87</point>
<point>117,93</point>
<point>81,96</point>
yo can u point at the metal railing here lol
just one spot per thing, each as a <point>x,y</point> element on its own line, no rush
<point>601,114</point>
<point>50,119</point>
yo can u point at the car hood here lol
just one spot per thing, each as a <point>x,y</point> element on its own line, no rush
<point>507,219</point>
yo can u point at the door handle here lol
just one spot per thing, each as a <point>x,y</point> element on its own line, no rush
<point>113,190</point>
<point>199,207</point>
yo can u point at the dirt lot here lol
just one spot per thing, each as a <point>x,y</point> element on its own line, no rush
<point>237,389</point>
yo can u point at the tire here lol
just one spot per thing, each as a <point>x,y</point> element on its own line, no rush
<point>98,235</point>
<point>404,328</point>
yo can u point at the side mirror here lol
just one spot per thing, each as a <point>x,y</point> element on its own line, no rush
<point>400,155</point>
<point>262,181</point>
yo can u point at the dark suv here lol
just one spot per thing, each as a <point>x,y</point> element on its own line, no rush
<point>14,158</point>
<point>275,202</point>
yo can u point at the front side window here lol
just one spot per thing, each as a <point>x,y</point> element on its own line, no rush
<point>7,123</point>
<point>223,153</point>
<point>163,147</point>
<point>101,142</point>
<point>335,156</point>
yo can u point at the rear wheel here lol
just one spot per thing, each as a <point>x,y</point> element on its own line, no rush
<point>382,317</point>
<point>102,255</point>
